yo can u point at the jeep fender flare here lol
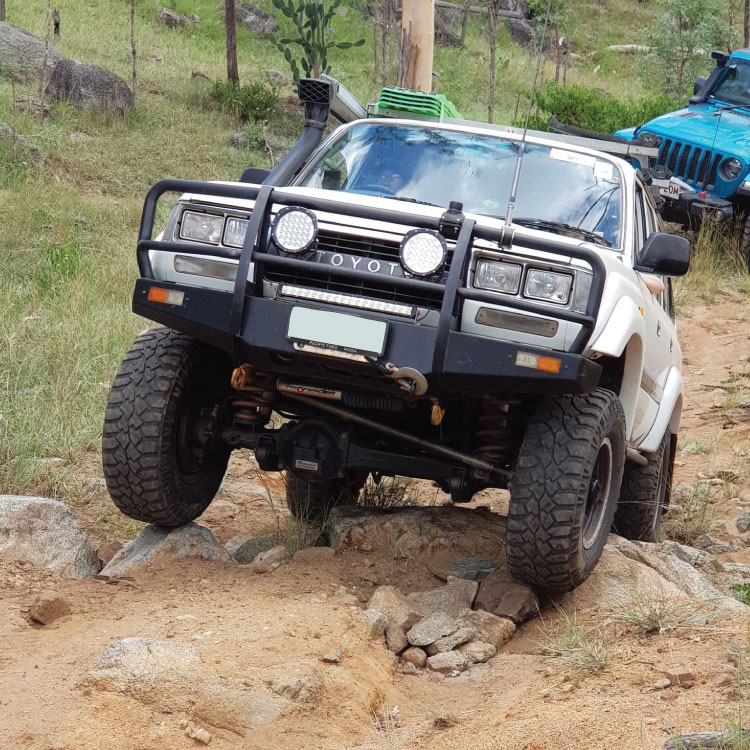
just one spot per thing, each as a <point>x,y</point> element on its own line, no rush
<point>669,414</point>
<point>624,333</point>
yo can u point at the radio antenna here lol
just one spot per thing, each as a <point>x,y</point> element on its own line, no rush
<point>522,147</point>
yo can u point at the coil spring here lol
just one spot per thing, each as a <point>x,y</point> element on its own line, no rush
<point>494,434</point>
<point>257,392</point>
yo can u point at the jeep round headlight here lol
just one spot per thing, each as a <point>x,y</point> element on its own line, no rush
<point>295,229</point>
<point>651,140</point>
<point>731,169</point>
<point>548,286</point>
<point>422,252</point>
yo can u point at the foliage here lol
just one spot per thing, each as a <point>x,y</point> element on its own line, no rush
<point>593,110</point>
<point>679,40</point>
<point>742,592</point>
<point>312,26</point>
<point>255,101</point>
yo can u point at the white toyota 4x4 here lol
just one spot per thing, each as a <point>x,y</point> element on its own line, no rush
<point>373,292</point>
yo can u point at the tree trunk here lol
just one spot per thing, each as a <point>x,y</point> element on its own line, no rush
<point>43,82</point>
<point>558,54</point>
<point>231,26</point>
<point>417,44</point>
<point>745,24</point>
<point>492,18</point>
<point>2,10</point>
<point>465,20</point>
<point>132,50</point>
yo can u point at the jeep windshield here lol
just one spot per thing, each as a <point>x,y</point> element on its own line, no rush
<point>559,190</point>
<point>734,86</point>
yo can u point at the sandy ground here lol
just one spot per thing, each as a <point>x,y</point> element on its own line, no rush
<point>263,628</point>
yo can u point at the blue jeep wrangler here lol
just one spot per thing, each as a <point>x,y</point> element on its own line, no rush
<point>704,149</point>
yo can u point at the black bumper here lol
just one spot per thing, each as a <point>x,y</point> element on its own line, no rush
<point>692,207</point>
<point>471,364</point>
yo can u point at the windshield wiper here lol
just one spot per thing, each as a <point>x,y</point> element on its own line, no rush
<point>412,200</point>
<point>559,227</point>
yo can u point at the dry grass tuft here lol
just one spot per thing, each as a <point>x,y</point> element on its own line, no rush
<point>581,650</point>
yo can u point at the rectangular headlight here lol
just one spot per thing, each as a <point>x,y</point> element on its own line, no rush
<point>200,227</point>
<point>548,286</point>
<point>498,277</point>
<point>235,231</point>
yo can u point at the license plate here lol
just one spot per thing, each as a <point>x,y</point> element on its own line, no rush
<point>335,333</point>
<point>671,190</point>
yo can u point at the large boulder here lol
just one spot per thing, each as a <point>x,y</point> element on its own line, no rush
<point>46,534</point>
<point>86,86</point>
<point>22,54</point>
<point>189,541</point>
<point>170,676</point>
<point>171,18</point>
<point>253,19</point>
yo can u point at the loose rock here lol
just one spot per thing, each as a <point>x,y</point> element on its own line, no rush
<point>400,611</point>
<point>276,554</point>
<point>244,549</point>
<point>46,534</point>
<point>502,595</point>
<point>375,621</point>
<point>87,86</point>
<point>107,551</point>
<point>332,657</point>
<point>189,541</point>
<point>254,19</point>
<point>432,628</point>
<point>296,688</point>
<point>489,628</point>
<point>415,656</point>
<point>449,642</point>
<point>448,662</point>
<point>713,546</point>
<point>395,638</point>
<point>239,140</point>
<point>457,595</point>
<point>171,18</point>
<point>477,652</point>
<point>409,669</point>
<point>47,609</point>
<point>680,676</point>
<point>198,733</point>
<point>743,522</point>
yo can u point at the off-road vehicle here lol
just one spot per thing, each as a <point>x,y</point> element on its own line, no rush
<point>370,307</point>
<point>705,149</point>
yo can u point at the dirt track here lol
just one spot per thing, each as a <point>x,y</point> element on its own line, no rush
<point>259,629</point>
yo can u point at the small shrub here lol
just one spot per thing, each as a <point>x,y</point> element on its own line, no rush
<point>661,614</point>
<point>255,101</point>
<point>692,517</point>
<point>592,110</point>
<point>390,492</point>
<point>581,650</point>
<point>59,263</point>
<point>741,591</point>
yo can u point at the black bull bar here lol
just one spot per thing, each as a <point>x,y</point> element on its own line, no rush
<point>453,291</point>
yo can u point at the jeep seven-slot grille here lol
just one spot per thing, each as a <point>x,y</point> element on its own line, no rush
<point>375,287</point>
<point>690,163</point>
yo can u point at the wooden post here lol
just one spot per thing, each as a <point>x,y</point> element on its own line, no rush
<point>133,51</point>
<point>2,10</point>
<point>417,44</point>
<point>231,25</point>
<point>56,22</point>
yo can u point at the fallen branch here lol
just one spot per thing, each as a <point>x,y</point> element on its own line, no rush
<point>628,48</point>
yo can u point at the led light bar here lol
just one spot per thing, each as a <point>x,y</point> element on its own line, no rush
<point>347,300</point>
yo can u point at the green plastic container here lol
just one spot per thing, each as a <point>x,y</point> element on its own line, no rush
<point>418,102</point>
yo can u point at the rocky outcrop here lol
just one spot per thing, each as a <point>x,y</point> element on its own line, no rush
<point>86,86</point>
<point>169,675</point>
<point>22,54</point>
<point>45,533</point>
<point>254,19</point>
<point>171,18</point>
<point>189,541</point>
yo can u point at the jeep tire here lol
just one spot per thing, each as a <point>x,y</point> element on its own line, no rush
<point>745,240</point>
<point>163,461</point>
<point>645,495</point>
<point>564,489</point>
<point>312,501</point>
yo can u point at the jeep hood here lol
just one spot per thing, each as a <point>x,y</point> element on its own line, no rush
<point>698,125</point>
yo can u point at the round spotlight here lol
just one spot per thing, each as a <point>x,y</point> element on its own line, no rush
<point>731,169</point>
<point>295,229</point>
<point>422,252</point>
<point>648,139</point>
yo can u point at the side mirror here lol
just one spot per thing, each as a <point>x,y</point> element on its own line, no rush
<point>256,175</point>
<point>664,254</point>
<point>700,82</point>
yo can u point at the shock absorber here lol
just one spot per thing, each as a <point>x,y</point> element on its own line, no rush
<point>494,438</point>
<point>256,392</point>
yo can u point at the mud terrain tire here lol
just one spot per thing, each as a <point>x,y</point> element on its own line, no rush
<point>312,501</point>
<point>645,495</point>
<point>156,470</point>
<point>564,490</point>
<point>745,240</point>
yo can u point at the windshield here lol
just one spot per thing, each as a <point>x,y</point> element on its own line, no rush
<point>436,166</point>
<point>734,87</point>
